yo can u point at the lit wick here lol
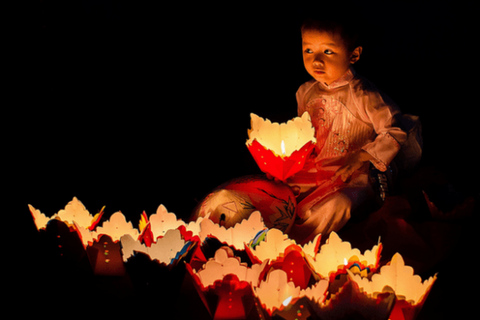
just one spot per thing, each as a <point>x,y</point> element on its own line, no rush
<point>282,145</point>
<point>287,301</point>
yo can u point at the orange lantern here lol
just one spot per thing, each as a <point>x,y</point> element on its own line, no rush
<point>281,149</point>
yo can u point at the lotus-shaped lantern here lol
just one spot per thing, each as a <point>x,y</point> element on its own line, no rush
<point>281,149</point>
<point>409,289</point>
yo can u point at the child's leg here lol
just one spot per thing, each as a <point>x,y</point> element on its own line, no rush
<point>331,213</point>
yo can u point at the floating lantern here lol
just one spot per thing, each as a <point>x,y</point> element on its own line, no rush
<point>224,285</point>
<point>167,250</point>
<point>281,149</point>
<point>236,236</point>
<point>349,303</point>
<point>160,222</point>
<point>74,212</point>
<point>409,289</point>
<point>105,251</point>
<point>298,309</point>
<point>116,227</point>
<point>277,292</point>
<point>294,264</point>
<point>336,256</point>
<point>273,245</point>
<point>225,263</point>
<point>105,256</point>
<point>281,279</point>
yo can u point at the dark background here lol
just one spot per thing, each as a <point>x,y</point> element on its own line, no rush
<point>132,104</point>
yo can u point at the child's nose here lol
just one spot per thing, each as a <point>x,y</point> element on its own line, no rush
<point>317,62</point>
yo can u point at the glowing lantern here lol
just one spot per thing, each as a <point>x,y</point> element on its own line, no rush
<point>74,212</point>
<point>105,251</point>
<point>349,303</point>
<point>277,292</point>
<point>274,244</point>
<point>409,289</point>
<point>162,221</point>
<point>294,264</point>
<point>224,285</point>
<point>281,149</point>
<point>116,227</point>
<point>167,250</point>
<point>225,263</point>
<point>235,236</point>
<point>337,256</point>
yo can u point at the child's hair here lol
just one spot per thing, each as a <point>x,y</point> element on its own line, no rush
<point>334,21</point>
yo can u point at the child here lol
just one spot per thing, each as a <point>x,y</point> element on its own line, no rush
<point>355,126</point>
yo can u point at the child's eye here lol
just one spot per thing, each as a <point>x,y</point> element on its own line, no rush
<point>308,51</point>
<point>328,51</point>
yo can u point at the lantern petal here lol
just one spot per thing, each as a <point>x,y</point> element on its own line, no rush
<point>39,218</point>
<point>116,227</point>
<point>76,211</point>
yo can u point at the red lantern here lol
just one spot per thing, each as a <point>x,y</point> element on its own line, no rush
<point>281,149</point>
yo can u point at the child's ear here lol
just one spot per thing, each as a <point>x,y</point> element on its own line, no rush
<point>355,56</point>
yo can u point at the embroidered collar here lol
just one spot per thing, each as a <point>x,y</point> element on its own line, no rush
<point>342,81</point>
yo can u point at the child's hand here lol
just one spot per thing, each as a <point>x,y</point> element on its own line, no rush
<point>353,162</point>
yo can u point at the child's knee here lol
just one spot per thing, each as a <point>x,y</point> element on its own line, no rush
<point>336,205</point>
<point>332,213</point>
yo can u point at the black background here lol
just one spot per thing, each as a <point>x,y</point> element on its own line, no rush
<point>132,104</point>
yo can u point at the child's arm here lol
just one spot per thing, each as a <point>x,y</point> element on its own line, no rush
<point>379,110</point>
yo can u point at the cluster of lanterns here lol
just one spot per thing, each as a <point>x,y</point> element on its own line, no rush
<point>252,272</point>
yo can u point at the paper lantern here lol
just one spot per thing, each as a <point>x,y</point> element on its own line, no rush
<point>275,278</point>
<point>105,256</point>
<point>224,284</point>
<point>236,236</point>
<point>349,303</point>
<point>160,222</point>
<point>409,289</point>
<point>116,227</point>
<point>274,244</point>
<point>295,266</point>
<point>297,309</point>
<point>225,263</point>
<point>64,246</point>
<point>167,250</point>
<point>277,291</point>
<point>281,149</point>
<point>74,212</point>
<point>337,256</point>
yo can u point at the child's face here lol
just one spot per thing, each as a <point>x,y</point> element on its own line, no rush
<point>325,55</point>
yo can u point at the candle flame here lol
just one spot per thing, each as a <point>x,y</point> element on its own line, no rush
<point>282,145</point>
<point>345,261</point>
<point>287,301</point>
